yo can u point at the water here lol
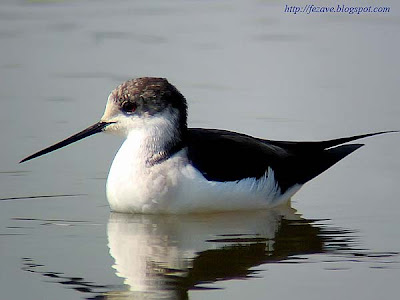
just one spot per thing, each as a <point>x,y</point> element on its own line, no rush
<point>243,65</point>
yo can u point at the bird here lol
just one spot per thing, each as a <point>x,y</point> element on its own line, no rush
<point>165,167</point>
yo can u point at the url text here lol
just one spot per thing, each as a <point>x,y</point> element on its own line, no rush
<point>340,8</point>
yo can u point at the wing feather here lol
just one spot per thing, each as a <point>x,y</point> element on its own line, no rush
<point>222,155</point>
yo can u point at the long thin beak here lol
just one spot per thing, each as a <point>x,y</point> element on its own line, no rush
<point>98,127</point>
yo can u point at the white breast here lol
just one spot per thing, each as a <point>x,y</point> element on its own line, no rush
<point>175,186</point>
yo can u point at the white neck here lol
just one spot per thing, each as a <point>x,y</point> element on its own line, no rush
<point>156,138</point>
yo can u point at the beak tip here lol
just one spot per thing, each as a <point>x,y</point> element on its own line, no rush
<point>25,159</point>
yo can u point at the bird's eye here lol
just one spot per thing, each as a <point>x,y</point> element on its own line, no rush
<point>129,107</point>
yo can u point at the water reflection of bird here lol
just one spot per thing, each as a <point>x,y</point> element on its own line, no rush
<point>162,257</point>
<point>166,256</point>
<point>165,167</point>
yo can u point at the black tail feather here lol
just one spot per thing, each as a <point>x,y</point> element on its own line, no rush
<point>321,145</point>
<point>335,142</point>
<point>304,168</point>
<point>329,158</point>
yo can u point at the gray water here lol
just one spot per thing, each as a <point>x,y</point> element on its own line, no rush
<point>245,66</point>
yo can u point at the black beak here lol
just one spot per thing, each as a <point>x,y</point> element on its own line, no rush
<point>98,127</point>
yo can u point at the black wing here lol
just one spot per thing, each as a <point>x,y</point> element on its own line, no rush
<point>229,156</point>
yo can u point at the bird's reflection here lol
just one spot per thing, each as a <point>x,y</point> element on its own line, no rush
<point>165,256</point>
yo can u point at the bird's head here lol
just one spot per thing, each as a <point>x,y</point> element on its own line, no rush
<point>143,103</point>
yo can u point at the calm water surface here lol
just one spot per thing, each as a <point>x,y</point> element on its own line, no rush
<point>243,65</point>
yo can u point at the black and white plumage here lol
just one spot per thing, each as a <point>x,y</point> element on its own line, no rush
<point>165,167</point>
<point>219,155</point>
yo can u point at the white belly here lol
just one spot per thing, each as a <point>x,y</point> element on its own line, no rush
<point>175,186</point>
